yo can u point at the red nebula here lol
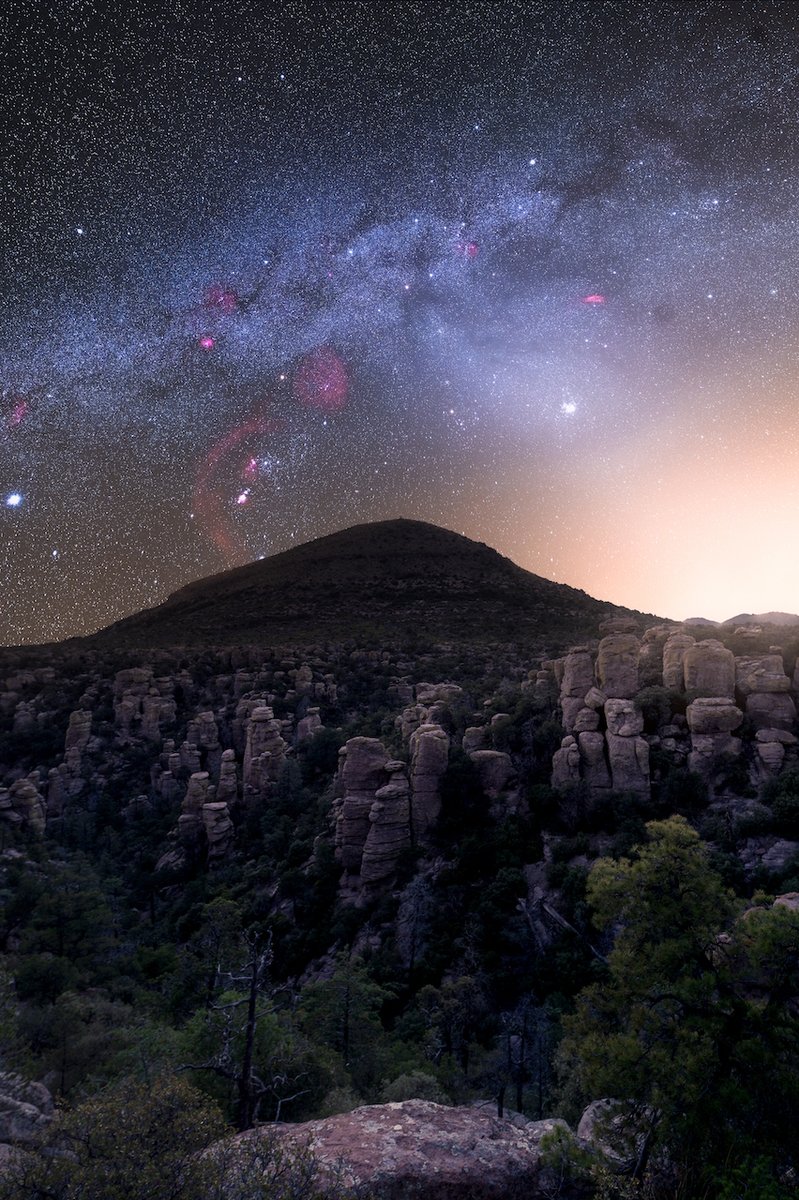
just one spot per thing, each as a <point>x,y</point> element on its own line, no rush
<point>15,410</point>
<point>594,298</point>
<point>250,469</point>
<point>468,249</point>
<point>230,457</point>
<point>206,342</point>
<point>321,381</point>
<point>222,299</point>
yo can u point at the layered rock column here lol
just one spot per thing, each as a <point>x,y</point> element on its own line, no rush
<point>264,753</point>
<point>628,752</point>
<point>389,827</point>
<point>362,773</point>
<point>429,746</point>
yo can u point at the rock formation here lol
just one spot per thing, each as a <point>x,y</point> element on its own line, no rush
<point>425,1150</point>
<point>389,827</point>
<point>429,746</point>
<point>362,773</point>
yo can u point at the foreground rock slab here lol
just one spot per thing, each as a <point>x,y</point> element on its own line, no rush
<point>425,1150</point>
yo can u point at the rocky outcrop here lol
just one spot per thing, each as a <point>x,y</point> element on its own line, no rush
<point>362,773</point>
<point>617,665</point>
<point>675,648</point>
<point>308,725</point>
<point>264,752</point>
<point>26,1109</point>
<point>713,716</point>
<point>623,718</point>
<point>23,805</point>
<point>494,769</point>
<point>227,789</point>
<point>710,669</point>
<point>566,763</point>
<point>429,747</point>
<point>425,1150</point>
<point>629,763</point>
<point>650,659</point>
<point>771,710</point>
<point>593,762</point>
<point>79,730</point>
<point>389,827</point>
<point>218,829</point>
<point>762,674</point>
<point>577,678</point>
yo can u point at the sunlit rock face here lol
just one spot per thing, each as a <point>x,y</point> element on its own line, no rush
<point>729,698</point>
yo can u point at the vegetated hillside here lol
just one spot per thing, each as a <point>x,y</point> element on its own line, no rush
<point>387,581</point>
<point>425,852</point>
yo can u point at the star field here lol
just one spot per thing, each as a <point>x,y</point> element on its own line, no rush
<point>271,270</point>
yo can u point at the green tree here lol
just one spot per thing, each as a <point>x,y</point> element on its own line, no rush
<point>691,1031</point>
<point>132,1142</point>
<point>343,1013</point>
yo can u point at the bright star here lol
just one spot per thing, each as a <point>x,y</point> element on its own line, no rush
<point>13,500</point>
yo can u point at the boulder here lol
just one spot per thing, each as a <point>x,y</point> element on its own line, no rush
<point>25,1109</point>
<point>674,651</point>
<point>420,1149</point>
<point>616,1130</point>
<point>28,804</point>
<point>570,707</point>
<point>593,763</point>
<point>650,664</point>
<point>495,770</point>
<point>202,732</point>
<point>713,715</point>
<point>218,830</point>
<point>771,710</point>
<point>617,665</point>
<point>618,625</point>
<point>566,763</point>
<point>430,693</point>
<point>586,721</point>
<point>624,718</point>
<point>308,725</point>
<point>710,669</point>
<point>476,737</point>
<point>776,735</point>
<point>762,674</point>
<point>629,764</point>
<point>771,756</point>
<point>79,730</point>
<point>578,673</point>
<point>707,749</point>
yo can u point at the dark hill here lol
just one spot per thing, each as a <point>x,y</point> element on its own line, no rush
<point>389,582</point>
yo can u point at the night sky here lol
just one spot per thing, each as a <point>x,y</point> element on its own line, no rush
<point>268,270</point>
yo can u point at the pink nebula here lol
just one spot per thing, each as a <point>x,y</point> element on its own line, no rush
<point>220,298</point>
<point>206,342</point>
<point>17,409</point>
<point>468,249</point>
<point>321,381</point>
<point>594,298</point>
